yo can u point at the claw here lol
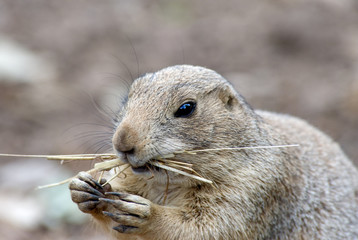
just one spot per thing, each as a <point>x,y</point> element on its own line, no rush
<point>115,203</point>
<point>117,194</point>
<point>86,192</point>
<point>128,223</point>
<point>107,187</point>
<point>110,201</point>
<point>88,206</point>
<point>131,208</point>
<point>80,196</point>
<point>108,214</point>
<point>86,177</point>
<point>79,185</point>
<point>129,198</point>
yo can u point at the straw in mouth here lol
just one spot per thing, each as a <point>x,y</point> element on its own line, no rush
<point>168,162</point>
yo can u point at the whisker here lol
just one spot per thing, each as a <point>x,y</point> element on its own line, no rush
<point>103,115</point>
<point>91,140</point>
<point>102,125</point>
<point>92,134</point>
<point>125,67</point>
<point>105,145</point>
<point>136,57</point>
<point>95,144</point>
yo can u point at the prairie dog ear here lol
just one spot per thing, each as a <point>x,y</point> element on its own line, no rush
<point>228,96</point>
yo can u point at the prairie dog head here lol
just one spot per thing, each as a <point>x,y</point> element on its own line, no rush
<point>180,108</point>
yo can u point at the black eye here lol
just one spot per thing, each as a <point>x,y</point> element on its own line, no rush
<point>185,110</point>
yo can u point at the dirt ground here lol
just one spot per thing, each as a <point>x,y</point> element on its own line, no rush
<point>60,59</point>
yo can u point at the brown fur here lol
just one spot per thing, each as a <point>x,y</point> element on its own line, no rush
<point>307,192</point>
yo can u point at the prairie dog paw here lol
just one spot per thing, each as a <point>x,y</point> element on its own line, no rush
<point>132,212</point>
<point>86,192</point>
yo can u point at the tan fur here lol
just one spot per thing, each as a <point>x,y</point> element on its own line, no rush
<point>307,192</point>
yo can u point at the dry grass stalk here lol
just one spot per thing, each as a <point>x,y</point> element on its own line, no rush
<point>235,148</point>
<point>111,161</point>
<point>172,169</point>
<point>115,175</point>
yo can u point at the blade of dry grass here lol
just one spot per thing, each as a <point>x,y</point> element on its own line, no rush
<point>65,157</point>
<point>116,175</point>
<point>235,148</point>
<point>157,164</point>
<point>111,161</point>
<point>64,181</point>
<point>108,165</point>
<point>55,184</point>
<point>175,162</point>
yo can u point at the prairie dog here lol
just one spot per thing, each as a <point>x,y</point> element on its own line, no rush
<point>305,192</point>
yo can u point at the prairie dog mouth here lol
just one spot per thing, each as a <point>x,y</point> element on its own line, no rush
<point>142,169</point>
<point>147,168</point>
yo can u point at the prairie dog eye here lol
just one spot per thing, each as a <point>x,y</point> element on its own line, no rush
<point>185,110</point>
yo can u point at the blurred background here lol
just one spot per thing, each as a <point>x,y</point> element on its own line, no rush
<point>65,64</point>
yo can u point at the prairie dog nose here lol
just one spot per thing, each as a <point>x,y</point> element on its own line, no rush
<point>125,139</point>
